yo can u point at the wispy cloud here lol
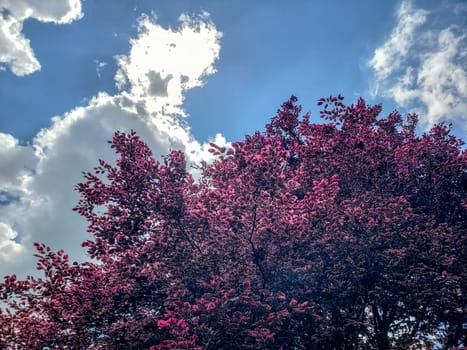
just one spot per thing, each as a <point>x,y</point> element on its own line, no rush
<point>100,66</point>
<point>393,54</point>
<point>15,49</point>
<point>422,67</point>
<point>153,79</point>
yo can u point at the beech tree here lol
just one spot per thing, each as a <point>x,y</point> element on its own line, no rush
<point>349,234</point>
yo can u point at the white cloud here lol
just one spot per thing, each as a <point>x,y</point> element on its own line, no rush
<point>100,66</point>
<point>16,162</point>
<point>171,64</point>
<point>15,49</point>
<point>391,55</point>
<point>423,69</point>
<point>153,79</point>
<point>8,247</point>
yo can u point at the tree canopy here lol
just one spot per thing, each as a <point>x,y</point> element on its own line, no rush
<point>347,234</point>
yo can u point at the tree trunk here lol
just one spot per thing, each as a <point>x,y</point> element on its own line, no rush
<point>382,340</point>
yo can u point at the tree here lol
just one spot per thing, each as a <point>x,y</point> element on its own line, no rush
<point>344,235</point>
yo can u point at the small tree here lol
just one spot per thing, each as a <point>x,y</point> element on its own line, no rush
<point>343,235</point>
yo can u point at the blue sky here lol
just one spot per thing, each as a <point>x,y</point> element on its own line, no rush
<point>183,73</point>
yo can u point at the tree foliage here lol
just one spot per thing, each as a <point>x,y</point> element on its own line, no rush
<point>348,234</point>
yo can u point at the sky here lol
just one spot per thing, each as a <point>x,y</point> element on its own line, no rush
<point>184,73</point>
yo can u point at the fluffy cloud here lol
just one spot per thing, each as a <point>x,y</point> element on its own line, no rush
<point>15,50</point>
<point>423,69</point>
<point>8,246</point>
<point>174,71</point>
<point>389,58</point>
<point>15,162</point>
<point>153,79</point>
